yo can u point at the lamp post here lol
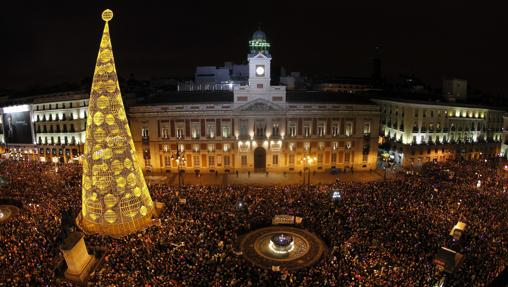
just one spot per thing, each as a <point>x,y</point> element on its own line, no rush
<point>307,160</point>
<point>55,161</point>
<point>385,163</point>
<point>180,161</point>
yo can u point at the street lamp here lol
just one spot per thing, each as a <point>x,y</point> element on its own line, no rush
<point>55,161</point>
<point>180,161</point>
<point>308,160</point>
<point>385,162</point>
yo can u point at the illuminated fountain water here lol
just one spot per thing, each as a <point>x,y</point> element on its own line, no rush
<point>281,243</point>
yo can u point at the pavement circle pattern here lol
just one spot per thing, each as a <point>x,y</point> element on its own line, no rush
<point>308,248</point>
<point>7,211</point>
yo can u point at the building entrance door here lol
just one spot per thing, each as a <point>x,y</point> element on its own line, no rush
<point>259,159</point>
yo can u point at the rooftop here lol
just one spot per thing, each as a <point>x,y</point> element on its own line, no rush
<point>438,103</point>
<point>224,96</point>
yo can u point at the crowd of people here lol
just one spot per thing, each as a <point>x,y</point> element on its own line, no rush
<point>383,233</point>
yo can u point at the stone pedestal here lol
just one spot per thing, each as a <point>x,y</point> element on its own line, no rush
<point>79,262</point>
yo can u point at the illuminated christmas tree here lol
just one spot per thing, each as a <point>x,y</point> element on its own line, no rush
<point>115,198</point>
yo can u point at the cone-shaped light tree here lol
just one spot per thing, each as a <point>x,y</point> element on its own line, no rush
<point>115,198</point>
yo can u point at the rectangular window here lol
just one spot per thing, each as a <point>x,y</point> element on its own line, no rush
<point>320,159</point>
<point>260,129</point>
<point>275,159</point>
<point>335,130</point>
<point>292,129</point>
<point>195,131</point>
<point>211,161</point>
<point>244,128</point>
<point>306,130</point>
<point>227,147</point>
<point>244,160</point>
<point>366,128</point>
<point>275,130</point>
<point>349,129</point>
<point>144,132</point>
<point>321,129</point>
<point>196,160</point>
<point>165,133</point>
<point>291,159</point>
<point>226,160</point>
<point>334,157</point>
<point>167,161</point>
<point>226,131</point>
<point>210,131</point>
<point>179,132</point>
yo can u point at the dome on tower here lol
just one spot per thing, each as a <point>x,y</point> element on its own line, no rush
<point>259,35</point>
<point>258,43</point>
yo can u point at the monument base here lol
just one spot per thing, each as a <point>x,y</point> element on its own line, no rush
<point>82,277</point>
<point>79,262</point>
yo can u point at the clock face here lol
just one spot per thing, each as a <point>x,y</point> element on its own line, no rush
<point>260,70</point>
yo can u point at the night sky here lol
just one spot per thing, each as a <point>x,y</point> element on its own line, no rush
<point>50,42</point>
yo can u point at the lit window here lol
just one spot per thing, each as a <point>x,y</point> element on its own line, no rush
<point>275,159</point>
<point>321,129</point>
<point>366,128</point>
<point>211,131</point>
<point>292,129</point>
<point>226,131</point>
<point>349,129</point>
<point>335,129</point>
<point>179,132</point>
<point>165,133</point>
<point>144,132</point>
<point>306,130</point>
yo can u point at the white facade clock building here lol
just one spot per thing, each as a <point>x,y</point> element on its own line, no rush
<point>256,127</point>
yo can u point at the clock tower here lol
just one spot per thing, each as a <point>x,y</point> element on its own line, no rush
<point>259,91</point>
<point>259,61</point>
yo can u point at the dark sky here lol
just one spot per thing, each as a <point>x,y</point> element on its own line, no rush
<point>50,42</point>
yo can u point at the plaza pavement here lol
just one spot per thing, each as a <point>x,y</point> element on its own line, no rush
<point>270,179</point>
